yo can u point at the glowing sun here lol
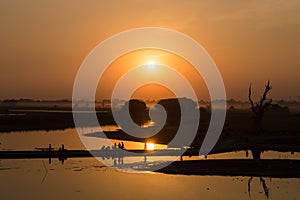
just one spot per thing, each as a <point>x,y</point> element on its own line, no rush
<point>151,64</point>
<point>150,146</point>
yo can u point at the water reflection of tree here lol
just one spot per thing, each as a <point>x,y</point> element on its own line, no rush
<point>264,186</point>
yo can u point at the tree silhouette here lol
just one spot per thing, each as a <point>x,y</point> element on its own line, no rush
<point>261,107</point>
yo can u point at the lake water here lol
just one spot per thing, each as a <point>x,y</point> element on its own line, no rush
<point>88,178</point>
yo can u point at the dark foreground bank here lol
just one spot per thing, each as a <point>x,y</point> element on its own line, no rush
<point>279,168</point>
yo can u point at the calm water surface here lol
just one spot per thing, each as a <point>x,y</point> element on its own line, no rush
<point>87,178</point>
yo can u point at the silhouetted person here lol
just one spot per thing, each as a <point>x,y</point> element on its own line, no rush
<point>119,145</point>
<point>122,145</point>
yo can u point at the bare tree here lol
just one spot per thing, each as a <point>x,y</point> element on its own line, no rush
<point>260,107</point>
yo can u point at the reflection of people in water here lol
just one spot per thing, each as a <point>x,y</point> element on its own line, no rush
<point>115,162</point>
<point>120,161</point>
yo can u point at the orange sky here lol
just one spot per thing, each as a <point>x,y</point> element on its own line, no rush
<point>156,57</point>
<point>44,42</point>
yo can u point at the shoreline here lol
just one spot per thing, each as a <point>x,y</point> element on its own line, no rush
<point>275,168</point>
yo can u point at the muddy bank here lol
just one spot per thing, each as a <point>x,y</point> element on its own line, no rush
<point>279,168</point>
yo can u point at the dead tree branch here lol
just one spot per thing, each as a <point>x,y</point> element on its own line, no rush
<point>262,106</point>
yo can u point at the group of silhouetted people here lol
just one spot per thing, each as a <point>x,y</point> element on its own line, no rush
<point>114,147</point>
<point>120,145</point>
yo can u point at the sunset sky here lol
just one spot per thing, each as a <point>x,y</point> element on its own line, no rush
<point>43,43</point>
